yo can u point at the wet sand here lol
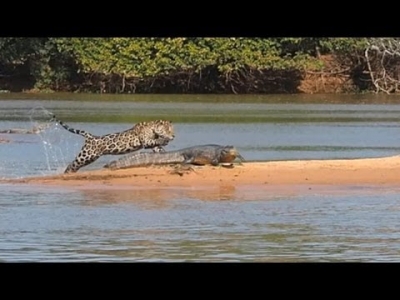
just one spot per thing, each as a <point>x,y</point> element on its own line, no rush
<point>371,171</point>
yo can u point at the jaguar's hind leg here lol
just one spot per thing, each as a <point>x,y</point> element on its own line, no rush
<point>80,161</point>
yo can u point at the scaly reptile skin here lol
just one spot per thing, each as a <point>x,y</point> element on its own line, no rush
<point>35,129</point>
<point>197,155</point>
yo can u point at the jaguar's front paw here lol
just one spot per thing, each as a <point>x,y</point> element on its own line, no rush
<point>158,149</point>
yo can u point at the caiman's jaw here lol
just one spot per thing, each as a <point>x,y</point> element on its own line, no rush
<point>240,157</point>
<point>230,155</point>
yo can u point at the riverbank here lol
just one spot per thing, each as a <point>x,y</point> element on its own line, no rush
<point>370,171</point>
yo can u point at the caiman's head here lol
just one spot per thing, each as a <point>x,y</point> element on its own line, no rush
<point>229,154</point>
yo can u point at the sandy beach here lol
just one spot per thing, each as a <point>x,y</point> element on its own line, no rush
<point>371,171</point>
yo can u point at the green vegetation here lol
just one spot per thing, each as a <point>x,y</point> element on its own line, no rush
<point>190,65</point>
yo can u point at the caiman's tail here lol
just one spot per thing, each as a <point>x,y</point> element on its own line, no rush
<point>76,131</point>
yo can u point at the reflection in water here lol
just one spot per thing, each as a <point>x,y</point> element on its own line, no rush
<point>160,197</point>
<point>155,198</point>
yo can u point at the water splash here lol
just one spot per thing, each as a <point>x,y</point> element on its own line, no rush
<point>39,115</point>
<point>42,147</point>
<point>54,146</point>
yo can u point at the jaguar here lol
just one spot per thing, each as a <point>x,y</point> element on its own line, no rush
<point>143,135</point>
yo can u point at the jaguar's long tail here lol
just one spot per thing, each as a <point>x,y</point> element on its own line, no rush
<point>73,130</point>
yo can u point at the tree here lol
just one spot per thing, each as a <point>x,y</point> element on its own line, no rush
<point>383,61</point>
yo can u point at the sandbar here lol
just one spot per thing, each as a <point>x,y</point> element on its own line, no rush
<point>364,171</point>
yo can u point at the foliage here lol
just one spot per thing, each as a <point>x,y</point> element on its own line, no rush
<point>36,59</point>
<point>185,64</point>
<point>142,57</point>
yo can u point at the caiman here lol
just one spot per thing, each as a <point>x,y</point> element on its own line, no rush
<point>196,155</point>
<point>34,130</point>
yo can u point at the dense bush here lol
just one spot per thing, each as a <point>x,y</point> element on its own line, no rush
<point>173,65</point>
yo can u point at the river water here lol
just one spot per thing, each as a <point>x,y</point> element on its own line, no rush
<point>228,223</point>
